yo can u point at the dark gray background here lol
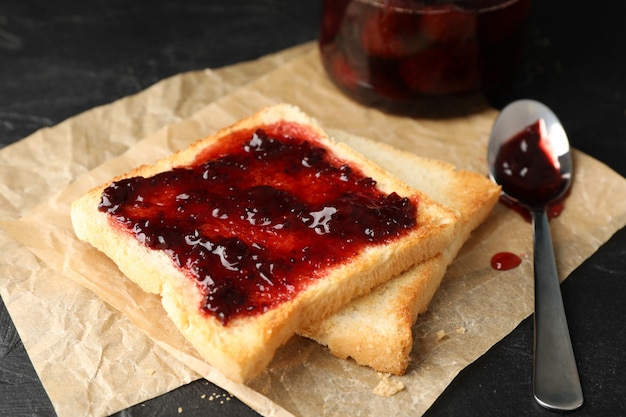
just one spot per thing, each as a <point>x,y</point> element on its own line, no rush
<point>59,58</point>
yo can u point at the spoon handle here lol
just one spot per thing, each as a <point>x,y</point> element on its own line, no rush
<point>556,382</point>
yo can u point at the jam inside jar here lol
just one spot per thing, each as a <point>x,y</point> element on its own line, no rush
<point>387,53</point>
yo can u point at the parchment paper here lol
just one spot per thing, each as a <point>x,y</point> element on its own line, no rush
<point>108,351</point>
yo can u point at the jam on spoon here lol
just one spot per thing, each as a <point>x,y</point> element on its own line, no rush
<point>529,156</point>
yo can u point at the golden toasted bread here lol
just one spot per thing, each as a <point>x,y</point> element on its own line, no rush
<point>242,344</point>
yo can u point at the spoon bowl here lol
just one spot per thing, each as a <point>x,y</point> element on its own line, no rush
<point>511,121</point>
<point>529,156</point>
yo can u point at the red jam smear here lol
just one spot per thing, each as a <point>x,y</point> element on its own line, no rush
<point>389,52</point>
<point>259,217</point>
<point>527,170</point>
<point>504,261</point>
<point>553,210</point>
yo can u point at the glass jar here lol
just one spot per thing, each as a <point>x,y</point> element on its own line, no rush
<point>388,53</point>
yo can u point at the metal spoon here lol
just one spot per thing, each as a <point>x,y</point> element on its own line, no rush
<point>556,383</point>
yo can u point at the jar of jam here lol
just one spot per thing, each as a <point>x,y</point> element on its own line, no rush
<point>389,53</point>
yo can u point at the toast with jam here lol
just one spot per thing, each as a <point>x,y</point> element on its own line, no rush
<point>261,229</point>
<point>376,330</point>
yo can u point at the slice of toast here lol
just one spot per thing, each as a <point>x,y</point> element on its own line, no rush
<point>375,330</point>
<point>200,301</point>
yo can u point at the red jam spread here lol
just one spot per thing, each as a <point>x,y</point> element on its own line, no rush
<point>258,217</point>
<point>527,170</point>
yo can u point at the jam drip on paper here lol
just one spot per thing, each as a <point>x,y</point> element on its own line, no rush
<point>503,261</point>
<point>258,217</point>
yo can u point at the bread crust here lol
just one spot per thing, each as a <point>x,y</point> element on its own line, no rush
<point>245,346</point>
<point>376,330</point>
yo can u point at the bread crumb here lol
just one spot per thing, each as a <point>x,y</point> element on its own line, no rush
<point>387,387</point>
<point>203,396</point>
<point>460,329</point>
<point>440,335</point>
<point>180,410</point>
